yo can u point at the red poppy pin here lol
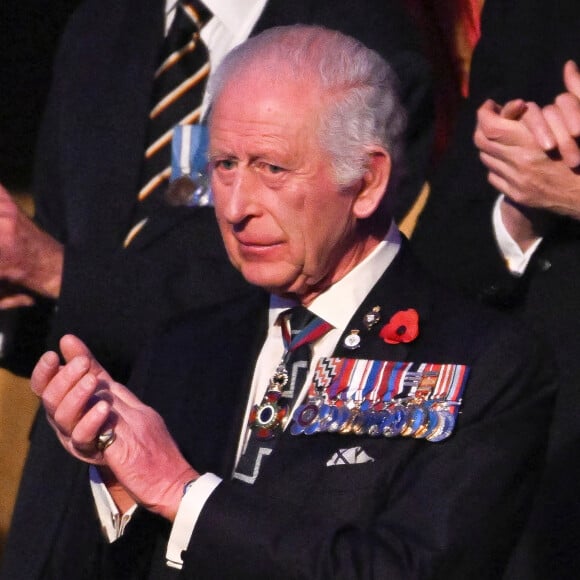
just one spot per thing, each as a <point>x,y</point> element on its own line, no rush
<point>403,327</point>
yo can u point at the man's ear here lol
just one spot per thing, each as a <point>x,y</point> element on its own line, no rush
<point>373,184</point>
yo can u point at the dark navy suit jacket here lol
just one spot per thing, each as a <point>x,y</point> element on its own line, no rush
<point>420,510</point>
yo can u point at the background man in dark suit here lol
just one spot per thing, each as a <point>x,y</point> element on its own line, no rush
<point>521,55</point>
<point>305,136</point>
<point>87,176</point>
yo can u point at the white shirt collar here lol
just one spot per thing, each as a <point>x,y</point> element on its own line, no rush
<point>230,12</point>
<point>338,304</point>
<point>233,12</point>
<point>170,5</point>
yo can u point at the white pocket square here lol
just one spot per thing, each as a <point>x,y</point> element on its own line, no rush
<point>350,456</point>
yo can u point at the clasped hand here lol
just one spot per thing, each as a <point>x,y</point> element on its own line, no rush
<point>81,400</point>
<point>532,156</point>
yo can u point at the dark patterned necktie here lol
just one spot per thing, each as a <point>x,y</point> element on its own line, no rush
<point>177,95</point>
<point>269,418</point>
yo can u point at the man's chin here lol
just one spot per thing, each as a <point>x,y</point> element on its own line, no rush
<point>275,283</point>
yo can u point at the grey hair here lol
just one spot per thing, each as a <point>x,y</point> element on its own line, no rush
<point>364,110</point>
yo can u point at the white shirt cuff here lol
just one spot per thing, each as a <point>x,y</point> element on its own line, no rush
<point>516,260</point>
<point>113,523</point>
<point>187,515</point>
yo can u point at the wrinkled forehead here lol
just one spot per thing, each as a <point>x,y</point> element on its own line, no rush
<point>263,67</point>
<point>262,92</point>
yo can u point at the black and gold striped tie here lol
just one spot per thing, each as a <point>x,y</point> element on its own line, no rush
<point>177,94</point>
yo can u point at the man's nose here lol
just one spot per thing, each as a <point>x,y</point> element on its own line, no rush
<point>241,199</point>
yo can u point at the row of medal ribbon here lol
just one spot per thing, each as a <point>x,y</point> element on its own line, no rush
<point>382,398</point>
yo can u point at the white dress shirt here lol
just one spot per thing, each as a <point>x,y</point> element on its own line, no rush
<point>516,260</point>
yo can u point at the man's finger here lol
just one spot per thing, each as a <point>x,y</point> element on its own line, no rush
<point>572,78</point>
<point>568,106</point>
<point>63,382</point>
<point>16,301</point>
<point>567,145</point>
<point>86,431</point>
<point>496,128</point>
<point>513,110</point>
<point>537,124</point>
<point>72,346</point>
<point>44,371</point>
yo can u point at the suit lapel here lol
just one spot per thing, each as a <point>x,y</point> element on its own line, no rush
<point>398,289</point>
<point>214,385</point>
<point>162,220</point>
<point>129,47</point>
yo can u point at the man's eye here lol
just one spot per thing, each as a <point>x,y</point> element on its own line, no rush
<point>274,168</point>
<point>226,164</point>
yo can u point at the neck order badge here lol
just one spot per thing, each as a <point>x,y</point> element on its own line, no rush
<point>268,419</point>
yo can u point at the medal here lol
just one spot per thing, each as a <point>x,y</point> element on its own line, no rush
<point>371,318</point>
<point>307,415</point>
<point>189,191</point>
<point>327,415</point>
<point>305,419</point>
<point>375,398</point>
<point>267,418</point>
<point>358,422</point>
<point>444,427</point>
<point>346,427</point>
<point>189,183</point>
<point>430,423</point>
<point>339,418</point>
<point>385,425</point>
<point>417,421</point>
<point>373,423</point>
<point>396,422</point>
<point>352,341</point>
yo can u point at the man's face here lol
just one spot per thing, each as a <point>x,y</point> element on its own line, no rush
<point>286,225</point>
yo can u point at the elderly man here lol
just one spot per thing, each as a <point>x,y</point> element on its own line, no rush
<point>396,432</point>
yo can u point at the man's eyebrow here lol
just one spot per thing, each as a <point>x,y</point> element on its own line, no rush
<point>217,154</point>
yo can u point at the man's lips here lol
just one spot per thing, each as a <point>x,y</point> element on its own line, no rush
<point>253,249</point>
<point>257,243</point>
